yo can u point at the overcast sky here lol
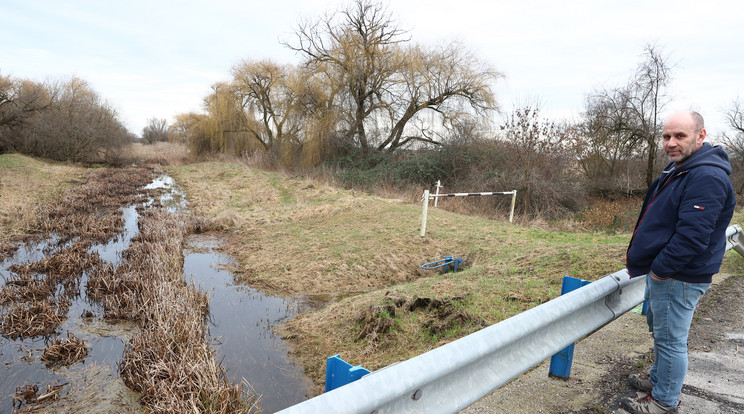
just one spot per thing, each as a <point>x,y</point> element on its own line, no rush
<point>151,58</point>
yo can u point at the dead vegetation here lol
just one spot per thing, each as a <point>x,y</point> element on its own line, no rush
<point>64,351</point>
<point>34,301</point>
<point>169,361</point>
<point>34,318</point>
<point>29,395</point>
<point>91,211</point>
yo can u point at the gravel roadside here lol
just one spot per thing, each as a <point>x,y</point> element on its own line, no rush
<point>603,360</point>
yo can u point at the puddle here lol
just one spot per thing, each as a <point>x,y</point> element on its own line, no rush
<point>169,195</point>
<point>111,251</point>
<point>241,320</point>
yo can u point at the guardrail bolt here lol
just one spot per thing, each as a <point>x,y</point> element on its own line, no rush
<point>416,395</point>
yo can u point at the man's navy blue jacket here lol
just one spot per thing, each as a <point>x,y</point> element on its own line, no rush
<point>681,231</point>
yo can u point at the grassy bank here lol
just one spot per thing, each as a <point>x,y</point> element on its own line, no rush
<point>297,237</point>
<point>27,186</point>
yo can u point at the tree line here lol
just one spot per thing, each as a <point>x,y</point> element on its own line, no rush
<point>368,99</point>
<point>375,106</point>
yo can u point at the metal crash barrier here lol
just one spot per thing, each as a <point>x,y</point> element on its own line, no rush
<point>452,377</point>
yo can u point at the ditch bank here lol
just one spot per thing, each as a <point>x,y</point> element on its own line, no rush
<point>120,297</point>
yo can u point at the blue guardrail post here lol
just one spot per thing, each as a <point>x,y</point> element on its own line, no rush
<point>560,363</point>
<point>340,372</point>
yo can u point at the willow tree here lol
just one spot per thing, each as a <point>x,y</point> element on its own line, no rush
<point>271,98</point>
<point>380,83</point>
<point>442,81</point>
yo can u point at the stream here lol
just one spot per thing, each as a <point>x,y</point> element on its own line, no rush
<point>240,325</point>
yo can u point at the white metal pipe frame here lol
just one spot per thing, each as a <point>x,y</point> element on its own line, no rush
<point>452,377</point>
<point>427,196</point>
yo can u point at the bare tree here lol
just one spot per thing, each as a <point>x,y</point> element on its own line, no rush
<point>441,82</point>
<point>156,130</point>
<point>19,100</point>
<point>735,117</point>
<point>76,125</point>
<point>381,85</point>
<point>269,96</point>
<point>354,48</point>
<point>630,113</point>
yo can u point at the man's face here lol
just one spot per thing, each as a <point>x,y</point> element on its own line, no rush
<point>681,138</point>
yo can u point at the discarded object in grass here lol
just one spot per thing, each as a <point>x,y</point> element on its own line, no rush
<point>65,352</point>
<point>445,263</point>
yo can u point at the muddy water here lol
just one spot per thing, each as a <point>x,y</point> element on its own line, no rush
<point>241,321</point>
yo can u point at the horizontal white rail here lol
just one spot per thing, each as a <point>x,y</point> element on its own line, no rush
<point>450,378</point>
<point>472,194</point>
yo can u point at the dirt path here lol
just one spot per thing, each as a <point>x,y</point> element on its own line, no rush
<point>715,381</point>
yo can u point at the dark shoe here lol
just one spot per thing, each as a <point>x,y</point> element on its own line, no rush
<point>646,405</point>
<point>640,382</point>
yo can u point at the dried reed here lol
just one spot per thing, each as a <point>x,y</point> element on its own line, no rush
<point>25,287</point>
<point>64,351</point>
<point>29,395</point>
<point>168,361</point>
<point>36,318</point>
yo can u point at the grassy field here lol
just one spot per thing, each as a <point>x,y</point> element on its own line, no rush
<point>363,255</point>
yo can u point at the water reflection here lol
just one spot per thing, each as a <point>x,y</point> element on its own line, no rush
<point>241,322</point>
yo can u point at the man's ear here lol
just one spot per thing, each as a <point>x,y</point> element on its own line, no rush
<point>701,137</point>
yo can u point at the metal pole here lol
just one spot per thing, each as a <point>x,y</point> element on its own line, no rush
<point>514,201</point>
<point>439,185</point>
<point>424,212</point>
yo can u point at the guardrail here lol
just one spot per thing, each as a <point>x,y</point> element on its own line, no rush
<point>452,377</point>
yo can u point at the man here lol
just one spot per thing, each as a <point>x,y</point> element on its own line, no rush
<point>678,243</point>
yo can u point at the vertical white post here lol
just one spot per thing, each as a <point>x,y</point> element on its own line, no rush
<point>424,212</point>
<point>439,185</point>
<point>514,201</point>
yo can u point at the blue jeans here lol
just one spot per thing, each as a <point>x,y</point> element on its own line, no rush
<point>671,304</point>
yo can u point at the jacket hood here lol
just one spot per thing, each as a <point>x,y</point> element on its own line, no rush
<point>707,155</point>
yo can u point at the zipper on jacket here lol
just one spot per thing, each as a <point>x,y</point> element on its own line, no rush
<point>669,180</point>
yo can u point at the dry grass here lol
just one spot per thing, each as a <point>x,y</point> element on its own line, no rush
<point>163,153</point>
<point>27,188</point>
<point>34,318</point>
<point>168,361</point>
<point>92,209</point>
<point>297,237</point>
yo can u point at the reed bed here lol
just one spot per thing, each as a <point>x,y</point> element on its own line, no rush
<point>35,318</point>
<point>91,210</point>
<point>68,263</point>
<point>64,351</point>
<point>20,287</point>
<point>168,361</point>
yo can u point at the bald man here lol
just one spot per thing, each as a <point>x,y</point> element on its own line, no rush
<point>678,245</point>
